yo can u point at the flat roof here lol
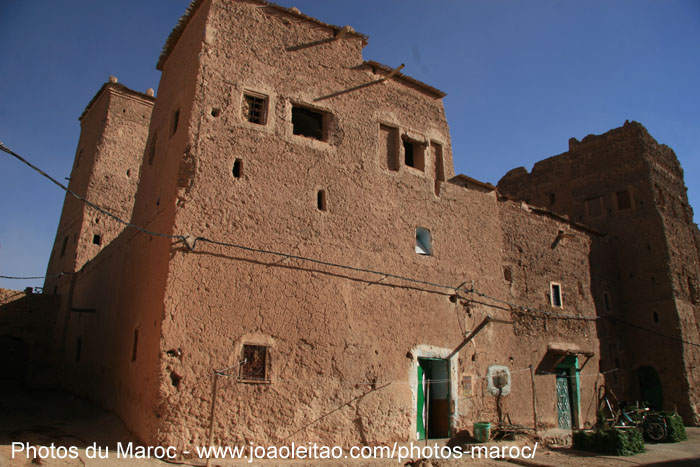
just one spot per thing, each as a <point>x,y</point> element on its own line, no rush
<point>194,5</point>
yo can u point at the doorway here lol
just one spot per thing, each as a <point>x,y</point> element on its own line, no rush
<point>568,390</point>
<point>650,387</point>
<point>433,410</point>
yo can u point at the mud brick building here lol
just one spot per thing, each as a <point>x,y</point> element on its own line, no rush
<point>301,229</point>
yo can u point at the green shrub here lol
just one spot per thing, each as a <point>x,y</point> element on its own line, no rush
<point>618,442</point>
<point>675,428</point>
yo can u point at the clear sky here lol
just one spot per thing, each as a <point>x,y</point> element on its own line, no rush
<point>521,77</point>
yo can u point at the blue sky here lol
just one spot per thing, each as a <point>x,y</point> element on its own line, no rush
<point>522,77</point>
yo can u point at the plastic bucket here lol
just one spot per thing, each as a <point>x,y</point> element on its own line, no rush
<point>482,431</point>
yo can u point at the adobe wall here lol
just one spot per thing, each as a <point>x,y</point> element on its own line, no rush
<point>113,135</point>
<point>26,338</point>
<point>155,317</point>
<point>539,250</point>
<point>628,186</point>
<point>338,339</point>
<point>123,286</point>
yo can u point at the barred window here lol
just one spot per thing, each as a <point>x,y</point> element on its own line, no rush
<point>254,363</point>
<point>255,108</point>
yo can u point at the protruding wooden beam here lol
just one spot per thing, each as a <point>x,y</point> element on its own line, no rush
<point>393,72</point>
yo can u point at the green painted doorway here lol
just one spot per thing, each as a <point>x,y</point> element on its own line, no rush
<point>568,393</point>
<point>433,391</point>
<point>650,387</point>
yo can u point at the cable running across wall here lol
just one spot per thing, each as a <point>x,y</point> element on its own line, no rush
<point>186,239</point>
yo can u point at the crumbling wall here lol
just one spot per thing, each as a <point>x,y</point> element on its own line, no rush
<point>631,188</point>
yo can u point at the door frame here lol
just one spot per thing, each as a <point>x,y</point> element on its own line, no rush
<point>569,365</point>
<point>434,353</point>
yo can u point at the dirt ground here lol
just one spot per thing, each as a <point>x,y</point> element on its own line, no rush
<point>43,418</point>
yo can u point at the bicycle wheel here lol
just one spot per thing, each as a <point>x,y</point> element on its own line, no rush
<point>655,430</point>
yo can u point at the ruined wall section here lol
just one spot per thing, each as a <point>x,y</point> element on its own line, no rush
<point>541,251</point>
<point>606,181</point>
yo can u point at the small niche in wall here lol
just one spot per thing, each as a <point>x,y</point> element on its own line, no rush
<point>237,168</point>
<point>321,200</point>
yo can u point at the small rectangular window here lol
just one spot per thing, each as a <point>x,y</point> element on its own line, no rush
<point>309,123</point>
<point>414,155</point>
<point>424,242</point>
<point>255,108</point>
<point>555,294</point>
<point>389,147</point>
<point>623,200</point>
<point>254,363</point>
<point>594,206</point>
<point>97,239</point>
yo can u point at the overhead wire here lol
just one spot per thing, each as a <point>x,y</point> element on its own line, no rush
<point>186,239</point>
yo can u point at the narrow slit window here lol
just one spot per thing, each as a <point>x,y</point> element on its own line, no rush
<point>152,149</point>
<point>309,123</point>
<point>656,318</point>
<point>255,108</point>
<point>424,241</point>
<point>237,168</point>
<point>606,301</point>
<point>321,200</point>
<point>176,121</point>
<point>135,345</point>
<point>555,294</point>
<point>436,149</point>
<point>78,349</point>
<point>254,363</point>
<point>63,247</point>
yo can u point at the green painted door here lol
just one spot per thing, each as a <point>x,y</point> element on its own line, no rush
<point>563,400</point>
<point>421,409</point>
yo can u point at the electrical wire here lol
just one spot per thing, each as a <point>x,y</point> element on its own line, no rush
<point>77,196</point>
<point>651,331</point>
<point>35,277</point>
<point>187,239</point>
